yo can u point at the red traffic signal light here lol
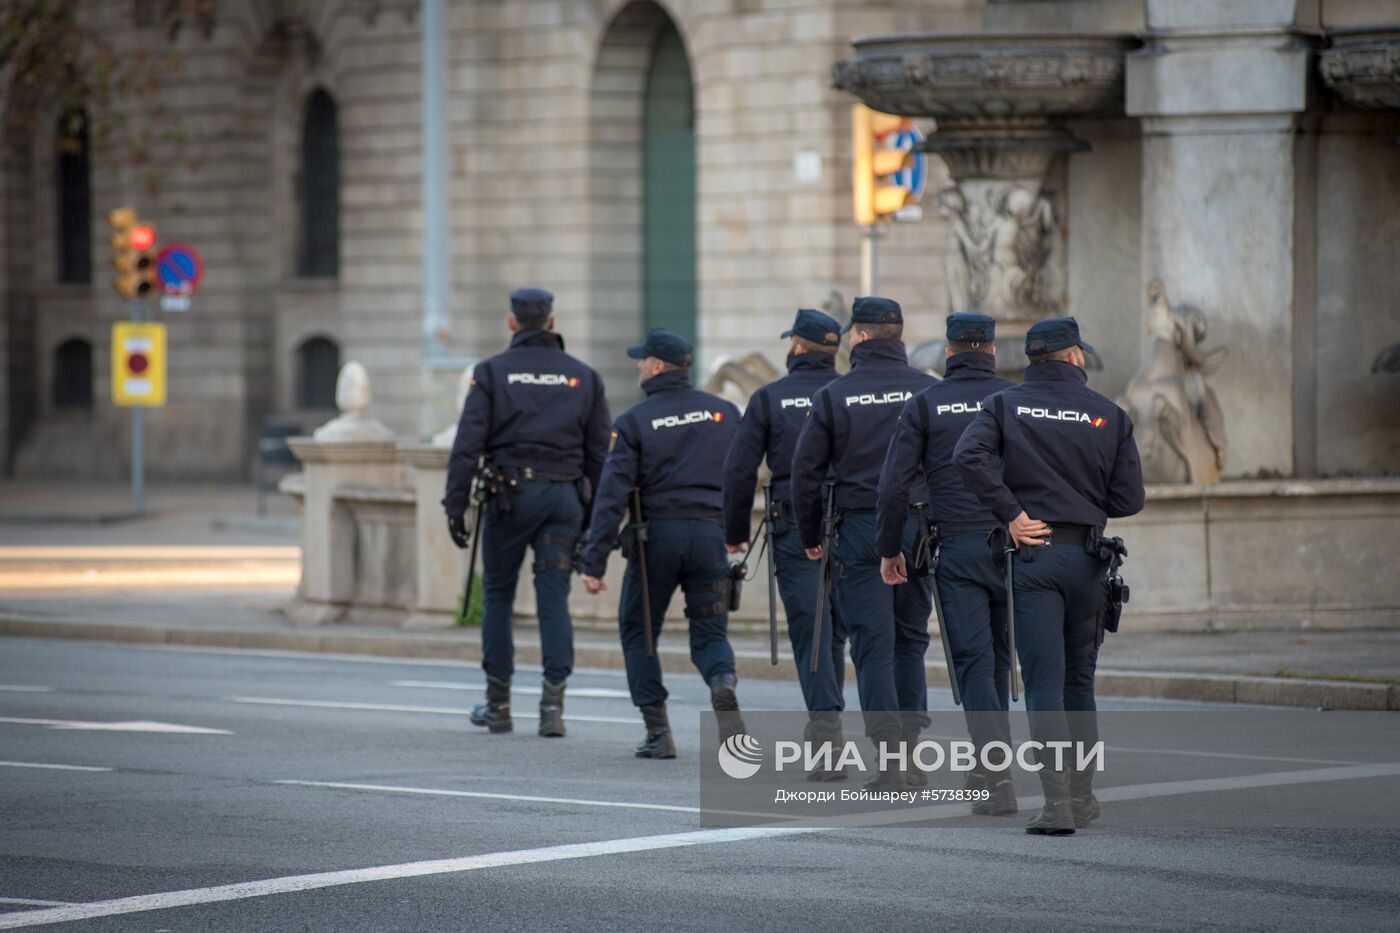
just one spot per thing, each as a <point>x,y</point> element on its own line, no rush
<point>143,237</point>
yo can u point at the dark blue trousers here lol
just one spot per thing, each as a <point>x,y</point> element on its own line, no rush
<point>888,627</point>
<point>538,509</point>
<point>689,554</point>
<point>797,585</point>
<point>1058,598</point>
<point>972,592</point>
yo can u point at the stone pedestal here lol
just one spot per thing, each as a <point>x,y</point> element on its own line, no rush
<point>1000,101</point>
<point>1227,207</point>
<point>327,527</point>
<point>441,569</point>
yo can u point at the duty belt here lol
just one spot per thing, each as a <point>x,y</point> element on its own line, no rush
<point>948,529</point>
<point>1072,534</point>
<point>532,475</point>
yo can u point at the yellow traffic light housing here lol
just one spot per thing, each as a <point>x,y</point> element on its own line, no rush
<point>876,197</point>
<point>133,254</point>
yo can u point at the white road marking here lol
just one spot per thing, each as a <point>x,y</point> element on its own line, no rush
<point>332,879</point>
<point>296,883</point>
<point>35,764</point>
<point>1191,753</point>
<point>1137,792</point>
<point>22,688</point>
<point>30,902</point>
<point>132,726</point>
<point>602,692</point>
<point>394,708</point>
<point>386,788</point>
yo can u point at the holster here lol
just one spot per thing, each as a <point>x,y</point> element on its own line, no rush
<point>629,539</point>
<point>1116,590</point>
<point>563,561</point>
<point>777,519</point>
<point>997,540</point>
<point>727,586</point>
<point>926,548</point>
<point>736,586</point>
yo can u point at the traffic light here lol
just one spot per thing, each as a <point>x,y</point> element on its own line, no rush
<point>875,161</point>
<point>133,254</point>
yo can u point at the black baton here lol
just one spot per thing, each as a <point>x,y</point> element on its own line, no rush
<point>772,575</point>
<point>642,569</point>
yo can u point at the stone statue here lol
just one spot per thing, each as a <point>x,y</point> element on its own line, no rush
<point>352,397</point>
<point>1179,425</point>
<point>1004,240</point>
<point>1021,237</point>
<point>447,435</point>
<point>737,380</point>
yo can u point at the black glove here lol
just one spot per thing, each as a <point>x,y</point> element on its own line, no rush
<point>457,528</point>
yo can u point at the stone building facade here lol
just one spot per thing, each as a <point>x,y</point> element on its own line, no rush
<point>581,132</point>
<point>686,162</point>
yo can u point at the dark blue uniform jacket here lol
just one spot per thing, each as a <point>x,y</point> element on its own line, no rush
<point>532,406</point>
<point>770,428</point>
<point>851,421</point>
<point>672,446</point>
<point>1054,448</point>
<point>923,443</point>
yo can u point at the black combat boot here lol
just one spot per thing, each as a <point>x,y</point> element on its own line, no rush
<point>1081,798</point>
<point>1055,818</point>
<point>552,709</point>
<point>1001,799</point>
<point>825,727</point>
<point>914,776</point>
<point>658,743</point>
<point>494,714</point>
<point>726,705</point>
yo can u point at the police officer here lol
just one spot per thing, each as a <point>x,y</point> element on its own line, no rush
<point>1054,460</point>
<point>969,587</point>
<point>770,427</point>
<point>849,427</point>
<point>537,418</point>
<point>671,447</point>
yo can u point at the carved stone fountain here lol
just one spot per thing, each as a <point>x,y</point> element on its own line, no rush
<point>1000,102</point>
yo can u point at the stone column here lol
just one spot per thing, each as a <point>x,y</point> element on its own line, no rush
<point>1227,220</point>
<point>327,529</point>
<point>441,566</point>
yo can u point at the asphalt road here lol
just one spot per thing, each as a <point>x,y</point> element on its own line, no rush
<point>241,829</point>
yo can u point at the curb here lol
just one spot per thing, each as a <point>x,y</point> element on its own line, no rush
<point>588,652</point>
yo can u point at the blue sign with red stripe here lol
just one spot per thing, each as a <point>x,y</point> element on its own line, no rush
<point>179,269</point>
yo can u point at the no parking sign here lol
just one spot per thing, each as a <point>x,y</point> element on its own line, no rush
<point>178,270</point>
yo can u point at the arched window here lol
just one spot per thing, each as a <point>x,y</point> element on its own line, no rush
<point>74,199</point>
<point>72,375</point>
<point>318,365</point>
<point>319,255</point>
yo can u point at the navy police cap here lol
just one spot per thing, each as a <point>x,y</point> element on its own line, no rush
<point>664,345</point>
<point>814,326</point>
<point>1053,334</point>
<point>531,304</point>
<point>875,310</point>
<point>970,327</point>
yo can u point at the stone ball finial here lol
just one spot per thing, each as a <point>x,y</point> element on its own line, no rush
<point>352,397</point>
<point>352,392</point>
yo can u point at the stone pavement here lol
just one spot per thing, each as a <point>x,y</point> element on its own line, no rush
<point>202,570</point>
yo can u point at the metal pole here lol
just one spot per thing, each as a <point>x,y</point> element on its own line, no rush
<point>434,185</point>
<point>436,323</point>
<point>868,259</point>
<point>138,435</point>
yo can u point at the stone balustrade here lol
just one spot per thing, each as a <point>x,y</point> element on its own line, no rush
<point>1246,554</point>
